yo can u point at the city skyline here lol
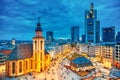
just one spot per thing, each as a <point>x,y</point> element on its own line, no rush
<point>20,17</point>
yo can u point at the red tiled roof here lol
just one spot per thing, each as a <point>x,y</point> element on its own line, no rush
<point>6,52</point>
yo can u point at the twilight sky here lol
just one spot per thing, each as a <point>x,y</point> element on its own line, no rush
<point>18,18</point>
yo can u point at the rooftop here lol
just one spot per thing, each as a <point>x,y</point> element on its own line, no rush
<point>21,51</point>
<point>6,52</point>
<point>81,61</point>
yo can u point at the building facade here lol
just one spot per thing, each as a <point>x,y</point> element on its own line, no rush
<point>83,48</point>
<point>75,34</point>
<point>116,57</point>
<point>27,58</point>
<point>108,34</point>
<point>107,56</point>
<point>92,26</point>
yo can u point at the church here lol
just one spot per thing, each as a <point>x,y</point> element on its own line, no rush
<point>26,58</point>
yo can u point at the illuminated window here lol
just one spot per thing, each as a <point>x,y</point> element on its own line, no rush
<point>35,45</point>
<point>41,56</point>
<point>26,65</point>
<point>20,66</point>
<point>13,67</point>
<point>41,44</point>
<point>35,56</point>
<point>41,64</point>
<point>31,64</point>
<point>91,12</point>
<point>87,16</point>
<point>8,67</point>
<point>35,65</point>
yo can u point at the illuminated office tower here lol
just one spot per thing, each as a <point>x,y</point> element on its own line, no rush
<point>92,26</point>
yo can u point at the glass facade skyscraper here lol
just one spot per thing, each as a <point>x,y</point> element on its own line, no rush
<point>49,37</point>
<point>92,26</point>
<point>118,37</point>
<point>75,34</point>
<point>108,34</point>
<point>83,38</point>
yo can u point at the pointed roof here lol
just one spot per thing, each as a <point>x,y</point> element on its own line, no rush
<point>91,6</point>
<point>21,51</point>
<point>38,26</point>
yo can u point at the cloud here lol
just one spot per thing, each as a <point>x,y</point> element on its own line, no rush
<point>18,17</point>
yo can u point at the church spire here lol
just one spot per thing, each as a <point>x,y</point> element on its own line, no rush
<point>38,25</point>
<point>91,6</point>
<point>38,29</point>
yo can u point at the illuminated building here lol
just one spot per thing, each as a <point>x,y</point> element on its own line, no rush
<point>109,34</point>
<point>27,58</point>
<point>107,56</point>
<point>94,52</point>
<point>75,34</point>
<point>81,63</point>
<point>116,57</point>
<point>92,26</point>
<point>91,50</point>
<point>83,48</point>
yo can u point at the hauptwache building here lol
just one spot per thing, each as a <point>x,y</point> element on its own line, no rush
<point>26,58</point>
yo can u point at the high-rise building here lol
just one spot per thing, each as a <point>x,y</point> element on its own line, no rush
<point>118,37</point>
<point>108,34</point>
<point>92,26</point>
<point>83,38</point>
<point>75,34</point>
<point>49,37</point>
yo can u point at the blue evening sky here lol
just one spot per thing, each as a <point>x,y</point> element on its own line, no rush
<point>18,18</point>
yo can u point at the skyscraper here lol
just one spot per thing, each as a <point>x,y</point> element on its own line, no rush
<point>83,38</point>
<point>92,26</point>
<point>49,37</point>
<point>108,34</point>
<point>118,37</point>
<point>75,34</point>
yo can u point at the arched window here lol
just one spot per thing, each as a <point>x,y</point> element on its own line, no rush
<point>31,64</point>
<point>35,45</point>
<point>13,67</point>
<point>41,42</point>
<point>41,56</point>
<point>35,65</point>
<point>27,65</point>
<point>20,66</point>
<point>35,56</point>
<point>8,67</point>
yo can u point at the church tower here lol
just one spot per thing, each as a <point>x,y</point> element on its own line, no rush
<point>38,49</point>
